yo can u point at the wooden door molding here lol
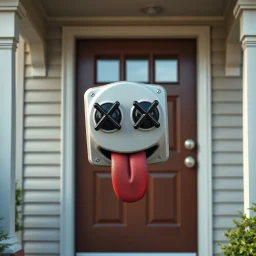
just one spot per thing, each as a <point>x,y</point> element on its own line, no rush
<point>202,34</point>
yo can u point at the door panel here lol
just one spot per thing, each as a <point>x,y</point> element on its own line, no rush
<point>165,220</point>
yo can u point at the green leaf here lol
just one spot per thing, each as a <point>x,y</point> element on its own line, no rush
<point>241,238</point>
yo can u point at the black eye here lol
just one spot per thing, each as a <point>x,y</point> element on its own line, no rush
<point>108,116</point>
<point>145,115</point>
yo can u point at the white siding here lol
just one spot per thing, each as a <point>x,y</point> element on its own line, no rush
<point>227,145</point>
<point>42,149</point>
<point>42,144</point>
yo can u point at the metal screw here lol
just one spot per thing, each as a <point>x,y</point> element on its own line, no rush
<point>97,160</point>
<point>92,94</point>
<point>159,157</point>
<point>158,91</point>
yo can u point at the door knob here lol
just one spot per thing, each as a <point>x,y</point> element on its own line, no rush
<point>189,162</point>
<point>189,144</point>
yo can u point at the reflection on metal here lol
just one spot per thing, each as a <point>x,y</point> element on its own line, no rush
<point>145,115</point>
<point>189,162</point>
<point>189,144</point>
<point>108,116</point>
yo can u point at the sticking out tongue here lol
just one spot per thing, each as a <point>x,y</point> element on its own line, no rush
<point>129,175</point>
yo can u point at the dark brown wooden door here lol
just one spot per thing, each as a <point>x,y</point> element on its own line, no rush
<point>165,220</point>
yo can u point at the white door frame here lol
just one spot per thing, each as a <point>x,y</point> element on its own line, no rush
<point>202,34</point>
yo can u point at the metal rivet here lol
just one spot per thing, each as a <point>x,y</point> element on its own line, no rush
<point>92,94</point>
<point>158,91</point>
<point>97,160</point>
<point>159,157</point>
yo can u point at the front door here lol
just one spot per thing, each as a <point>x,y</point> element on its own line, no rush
<point>165,220</point>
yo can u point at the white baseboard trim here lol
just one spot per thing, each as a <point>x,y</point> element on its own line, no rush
<point>135,254</point>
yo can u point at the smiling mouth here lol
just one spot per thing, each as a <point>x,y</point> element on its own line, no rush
<point>149,152</point>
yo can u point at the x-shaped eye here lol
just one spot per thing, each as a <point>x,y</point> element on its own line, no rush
<point>106,116</point>
<point>146,114</point>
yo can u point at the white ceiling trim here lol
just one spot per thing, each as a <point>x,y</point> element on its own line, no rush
<point>125,20</point>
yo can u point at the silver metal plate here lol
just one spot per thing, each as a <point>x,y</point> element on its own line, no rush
<point>128,139</point>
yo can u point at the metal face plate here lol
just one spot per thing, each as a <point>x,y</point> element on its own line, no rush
<point>127,139</point>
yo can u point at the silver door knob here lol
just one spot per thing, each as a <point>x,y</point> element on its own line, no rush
<point>189,162</point>
<point>189,144</point>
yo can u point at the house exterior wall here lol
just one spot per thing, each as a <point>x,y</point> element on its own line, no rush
<point>42,148</point>
<point>42,139</point>
<point>227,152</point>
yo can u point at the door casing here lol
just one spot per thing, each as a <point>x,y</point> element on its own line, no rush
<point>202,34</point>
<point>134,254</point>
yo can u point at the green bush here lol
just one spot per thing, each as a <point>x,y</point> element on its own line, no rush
<point>18,227</point>
<point>3,236</point>
<point>18,203</point>
<point>242,238</point>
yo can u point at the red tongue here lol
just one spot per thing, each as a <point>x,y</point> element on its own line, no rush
<point>129,176</point>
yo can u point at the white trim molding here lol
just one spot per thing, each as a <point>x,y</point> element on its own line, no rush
<point>202,34</point>
<point>13,6</point>
<point>20,69</point>
<point>245,12</point>
<point>139,21</point>
<point>135,254</point>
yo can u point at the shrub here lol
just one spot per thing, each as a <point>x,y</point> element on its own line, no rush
<point>18,227</point>
<point>18,203</point>
<point>3,236</point>
<point>242,238</point>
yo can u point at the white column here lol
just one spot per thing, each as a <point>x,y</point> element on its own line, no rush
<point>245,10</point>
<point>10,13</point>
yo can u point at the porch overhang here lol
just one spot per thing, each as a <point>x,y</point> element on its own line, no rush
<point>39,14</point>
<point>233,57</point>
<point>33,29</point>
